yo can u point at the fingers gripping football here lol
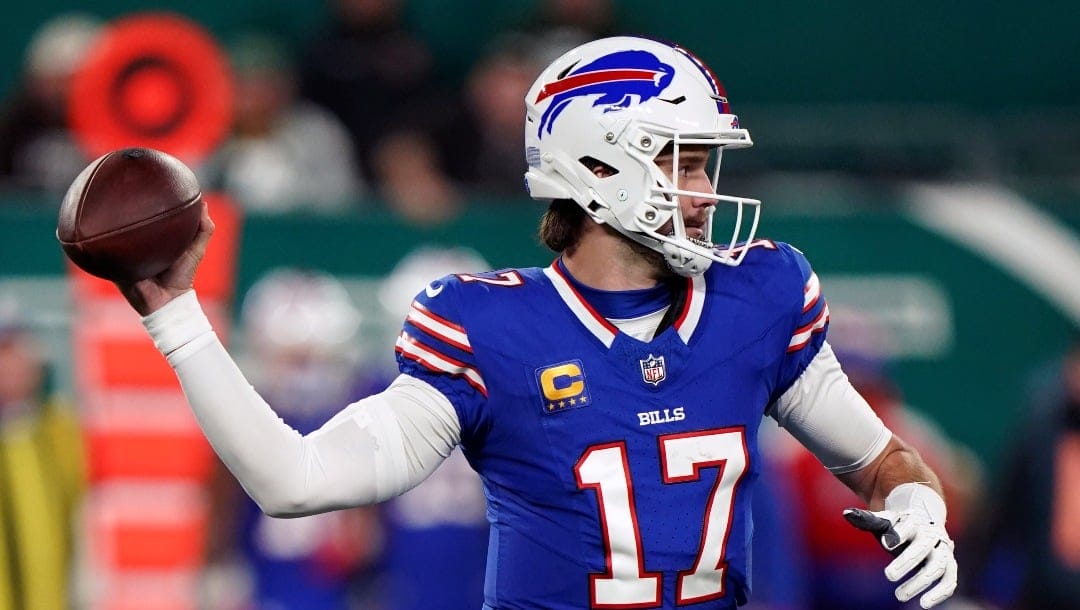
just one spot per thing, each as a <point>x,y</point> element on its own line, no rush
<point>912,528</point>
<point>150,294</point>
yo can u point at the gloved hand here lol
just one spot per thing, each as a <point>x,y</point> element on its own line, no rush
<point>912,529</point>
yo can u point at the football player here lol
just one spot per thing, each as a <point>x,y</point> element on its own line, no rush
<point>610,401</point>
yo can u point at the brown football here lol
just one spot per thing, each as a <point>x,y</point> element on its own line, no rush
<point>130,214</point>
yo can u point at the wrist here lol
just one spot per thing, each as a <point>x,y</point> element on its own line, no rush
<point>146,298</point>
<point>176,323</point>
<point>919,498</point>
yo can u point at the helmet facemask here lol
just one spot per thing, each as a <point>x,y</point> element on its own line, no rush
<point>657,221</point>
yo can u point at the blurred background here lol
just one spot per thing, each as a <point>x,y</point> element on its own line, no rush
<point>925,157</point>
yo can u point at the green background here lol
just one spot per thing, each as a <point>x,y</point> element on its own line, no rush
<point>984,55</point>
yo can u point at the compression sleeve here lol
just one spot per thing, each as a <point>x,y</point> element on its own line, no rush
<point>829,417</point>
<point>372,450</point>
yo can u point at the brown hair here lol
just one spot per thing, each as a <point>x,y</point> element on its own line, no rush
<point>562,224</point>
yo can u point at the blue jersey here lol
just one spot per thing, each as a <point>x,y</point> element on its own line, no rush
<point>618,472</point>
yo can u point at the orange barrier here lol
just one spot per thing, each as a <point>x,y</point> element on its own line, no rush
<point>145,518</point>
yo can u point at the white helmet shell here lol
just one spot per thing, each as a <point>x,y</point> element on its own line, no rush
<point>621,101</point>
<point>294,309</point>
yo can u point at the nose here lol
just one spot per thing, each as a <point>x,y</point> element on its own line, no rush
<point>699,182</point>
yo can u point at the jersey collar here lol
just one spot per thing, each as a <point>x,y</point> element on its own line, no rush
<point>604,330</point>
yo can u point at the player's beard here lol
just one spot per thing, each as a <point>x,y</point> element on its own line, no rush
<point>661,271</point>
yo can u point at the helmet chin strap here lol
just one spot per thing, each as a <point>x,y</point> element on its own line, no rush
<point>684,262</point>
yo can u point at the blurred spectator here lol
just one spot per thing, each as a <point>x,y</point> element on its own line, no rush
<point>411,180</point>
<point>300,330</point>
<point>560,25</point>
<point>1026,554</point>
<point>436,542</point>
<point>371,72</point>
<point>482,146</point>
<point>37,151</point>
<point>472,147</point>
<point>846,563</point>
<point>480,140</point>
<point>284,153</point>
<point>436,533</point>
<point>41,475</point>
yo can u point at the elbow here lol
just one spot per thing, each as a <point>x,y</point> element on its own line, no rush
<point>283,508</point>
<point>303,501</point>
<point>285,511</point>
<point>279,501</point>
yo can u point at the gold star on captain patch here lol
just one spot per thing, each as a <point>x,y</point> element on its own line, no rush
<point>551,406</point>
<point>572,402</point>
<point>583,399</point>
<point>562,403</point>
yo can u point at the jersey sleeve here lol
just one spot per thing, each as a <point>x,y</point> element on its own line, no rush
<point>809,319</point>
<point>434,346</point>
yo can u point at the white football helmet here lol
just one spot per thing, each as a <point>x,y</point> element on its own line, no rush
<point>621,101</point>
<point>301,332</point>
<point>419,267</point>
<point>300,309</point>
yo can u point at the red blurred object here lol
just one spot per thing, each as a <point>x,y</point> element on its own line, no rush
<point>149,466</point>
<point>156,80</point>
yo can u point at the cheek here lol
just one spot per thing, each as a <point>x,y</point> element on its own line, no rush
<point>698,181</point>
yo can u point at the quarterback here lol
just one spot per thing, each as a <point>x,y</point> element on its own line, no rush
<point>610,401</point>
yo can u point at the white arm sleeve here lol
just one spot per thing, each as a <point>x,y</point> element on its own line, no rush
<point>372,450</point>
<point>830,418</point>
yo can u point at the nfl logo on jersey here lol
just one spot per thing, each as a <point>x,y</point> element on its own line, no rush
<point>652,369</point>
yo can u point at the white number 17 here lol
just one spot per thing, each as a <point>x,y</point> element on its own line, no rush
<point>605,469</point>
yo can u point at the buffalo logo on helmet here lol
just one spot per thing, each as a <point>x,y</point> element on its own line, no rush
<point>620,79</point>
<point>718,93</point>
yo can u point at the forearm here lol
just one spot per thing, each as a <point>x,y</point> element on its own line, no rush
<point>365,454</point>
<point>899,463</point>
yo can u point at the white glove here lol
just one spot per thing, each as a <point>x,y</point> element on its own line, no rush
<point>912,528</point>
